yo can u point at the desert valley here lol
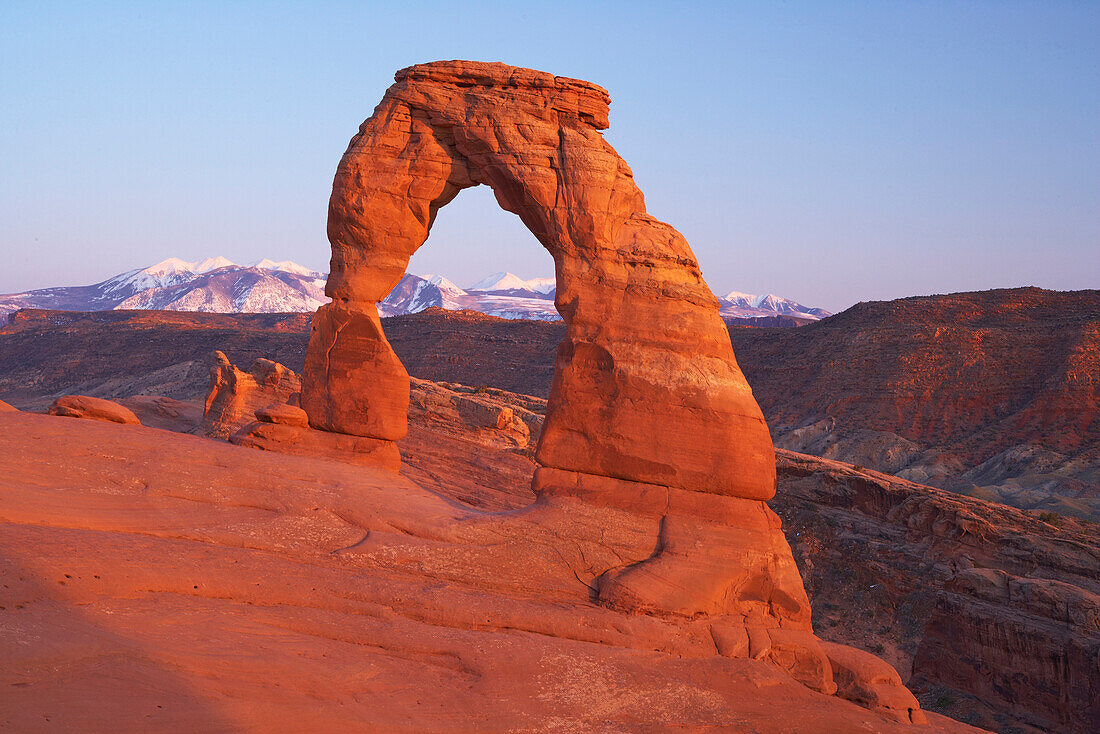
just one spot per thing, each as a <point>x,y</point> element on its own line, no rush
<point>268,497</point>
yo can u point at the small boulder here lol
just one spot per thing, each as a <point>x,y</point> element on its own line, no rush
<point>287,415</point>
<point>82,406</point>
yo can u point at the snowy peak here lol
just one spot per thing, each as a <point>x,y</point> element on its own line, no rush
<point>736,303</point>
<point>171,266</point>
<point>266,286</point>
<point>418,292</point>
<point>234,289</point>
<point>511,282</point>
<point>739,298</point>
<point>499,282</point>
<point>543,285</point>
<point>214,284</point>
<point>285,266</point>
<point>212,263</point>
<point>444,285</point>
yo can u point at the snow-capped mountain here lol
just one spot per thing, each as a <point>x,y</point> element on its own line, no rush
<point>736,303</point>
<point>217,284</point>
<point>510,284</point>
<point>502,294</point>
<point>414,293</point>
<point>214,284</point>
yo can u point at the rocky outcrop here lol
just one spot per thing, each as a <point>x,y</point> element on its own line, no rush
<point>867,680</point>
<point>285,437</point>
<point>235,396</point>
<point>82,406</point>
<point>487,415</point>
<point>5,408</point>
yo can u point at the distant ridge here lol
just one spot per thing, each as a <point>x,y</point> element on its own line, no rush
<point>219,285</point>
<point>216,285</point>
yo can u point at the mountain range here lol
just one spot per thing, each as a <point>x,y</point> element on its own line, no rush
<point>218,285</point>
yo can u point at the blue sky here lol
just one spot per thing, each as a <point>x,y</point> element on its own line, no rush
<point>828,152</point>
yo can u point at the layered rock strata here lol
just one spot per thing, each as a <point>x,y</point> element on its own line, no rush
<point>986,609</point>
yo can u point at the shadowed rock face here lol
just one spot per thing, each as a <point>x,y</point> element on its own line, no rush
<point>646,387</point>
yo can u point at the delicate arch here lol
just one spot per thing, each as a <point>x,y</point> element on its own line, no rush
<point>646,387</point>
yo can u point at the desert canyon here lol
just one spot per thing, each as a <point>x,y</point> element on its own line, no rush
<point>261,522</point>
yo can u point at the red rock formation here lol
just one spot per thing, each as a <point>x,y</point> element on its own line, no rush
<point>235,396</point>
<point>874,581</point>
<point>82,406</point>
<point>5,408</point>
<point>648,413</point>
<point>620,383</point>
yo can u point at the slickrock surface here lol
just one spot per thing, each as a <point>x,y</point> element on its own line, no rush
<point>177,583</point>
<point>5,408</point>
<point>158,411</point>
<point>992,613</point>
<point>97,409</point>
<point>988,611</point>
<point>869,575</point>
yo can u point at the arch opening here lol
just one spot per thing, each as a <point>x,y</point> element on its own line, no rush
<point>486,253</point>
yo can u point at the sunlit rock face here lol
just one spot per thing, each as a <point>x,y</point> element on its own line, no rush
<point>649,420</point>
<point>646,386</point>
<point>235,395</point>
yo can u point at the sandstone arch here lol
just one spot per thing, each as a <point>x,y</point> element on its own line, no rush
<point>646,387</point>
<point>652,437</point>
